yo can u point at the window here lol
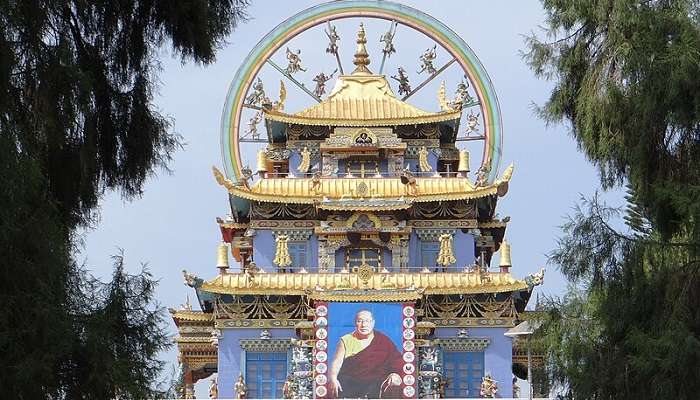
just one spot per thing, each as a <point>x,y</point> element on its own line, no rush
<point>297,252</point>
<point>355,257</point>
<point>429,253</point>
<point>362,168</point>
<point>463,370</point>
<point>265,374</point>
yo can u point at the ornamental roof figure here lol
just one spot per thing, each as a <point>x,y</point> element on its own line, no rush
<point>362,99</point>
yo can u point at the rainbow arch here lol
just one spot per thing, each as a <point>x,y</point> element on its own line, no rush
<point>316,15</point>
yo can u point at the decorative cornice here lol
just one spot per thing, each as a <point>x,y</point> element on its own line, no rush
<point>266,345</point>
<point>473,322</point>
<point>493,224</point>
<point>463,344</point>
<point>256,323</point>
<point>432,234</point>
<point>305,284</point>
<point>296,235</point>
<point>366,295</point>
<point>282,224</point>
<point>443,223</point>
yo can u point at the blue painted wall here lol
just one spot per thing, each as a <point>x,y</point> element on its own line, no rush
<point>463,247</point>
<point>312,253</point>
<point>386,260</point>
<point>264,249</point>
<point>414,251</point>
<point>231,355</point>
<point>498,356</point>
<point>432,160</point>
<point>339,259</point>
<point>294,161</point>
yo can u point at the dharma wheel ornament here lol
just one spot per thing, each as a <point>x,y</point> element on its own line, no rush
<point>282,54</point>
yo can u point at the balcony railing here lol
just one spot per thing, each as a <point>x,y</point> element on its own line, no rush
<point>299,175</point>
<point>342,269</point>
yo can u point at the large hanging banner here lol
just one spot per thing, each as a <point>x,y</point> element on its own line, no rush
<point>365,350</point>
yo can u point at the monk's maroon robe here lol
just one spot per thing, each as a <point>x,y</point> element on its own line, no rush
<point>362,374</point>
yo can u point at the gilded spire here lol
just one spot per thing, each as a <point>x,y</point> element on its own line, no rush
<point>361,57</point>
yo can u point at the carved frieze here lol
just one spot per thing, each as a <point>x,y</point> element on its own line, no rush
<point>281,210</point>
<point>432,234</point>
<point>282,224</point>
<point>445,223</point>
<point>461,209</point>
<point>344,138</point>
<point>463,343</point>
<point>297,132</point>
<point>266,345</point>
<point>424,131</point>
<point>449,154</point>
<point>277,154</point>
<point>294,235</point>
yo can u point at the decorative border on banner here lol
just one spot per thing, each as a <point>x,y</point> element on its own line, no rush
<point>408,379</point>
<point>320,352</point>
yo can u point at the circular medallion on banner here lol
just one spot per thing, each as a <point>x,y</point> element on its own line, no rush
<point>409,391</point>
<point>321,356</point>
<point>409,323</point>
<point>321,344</point>
<point>321,391</point>
<point>408,334</point>
<point>321,333</point>
<point>321,321</point>
<point>408,345</point>
<point>408,369</point>
<point>409,357</point>
<point>409,380</point>
<point>321,368</point>
<point>408,311</point>
<point>321,379</point>
<point>321,311</point>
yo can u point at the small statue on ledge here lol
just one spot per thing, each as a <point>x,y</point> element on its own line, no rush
<point>213,390</point>
<point>489,387</point>
<point>240,388</point>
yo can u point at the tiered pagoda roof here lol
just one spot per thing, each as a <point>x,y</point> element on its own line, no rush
<point>306,283</point>
<point>380,191</point>
<point>362,100</point>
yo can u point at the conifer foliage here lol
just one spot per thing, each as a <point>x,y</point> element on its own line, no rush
<point>77,80</point>
<point>626,81</point>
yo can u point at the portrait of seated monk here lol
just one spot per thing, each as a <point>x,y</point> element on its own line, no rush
<point>366,363</point>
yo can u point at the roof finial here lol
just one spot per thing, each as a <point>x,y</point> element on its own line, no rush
<point>361,57</point>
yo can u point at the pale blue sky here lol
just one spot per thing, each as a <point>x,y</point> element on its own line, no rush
<point>173,225</point>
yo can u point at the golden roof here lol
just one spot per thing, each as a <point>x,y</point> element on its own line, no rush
<point>300,284</point>
<point>382,191</point>
<point>362,100</point>
<point>193,316</point>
